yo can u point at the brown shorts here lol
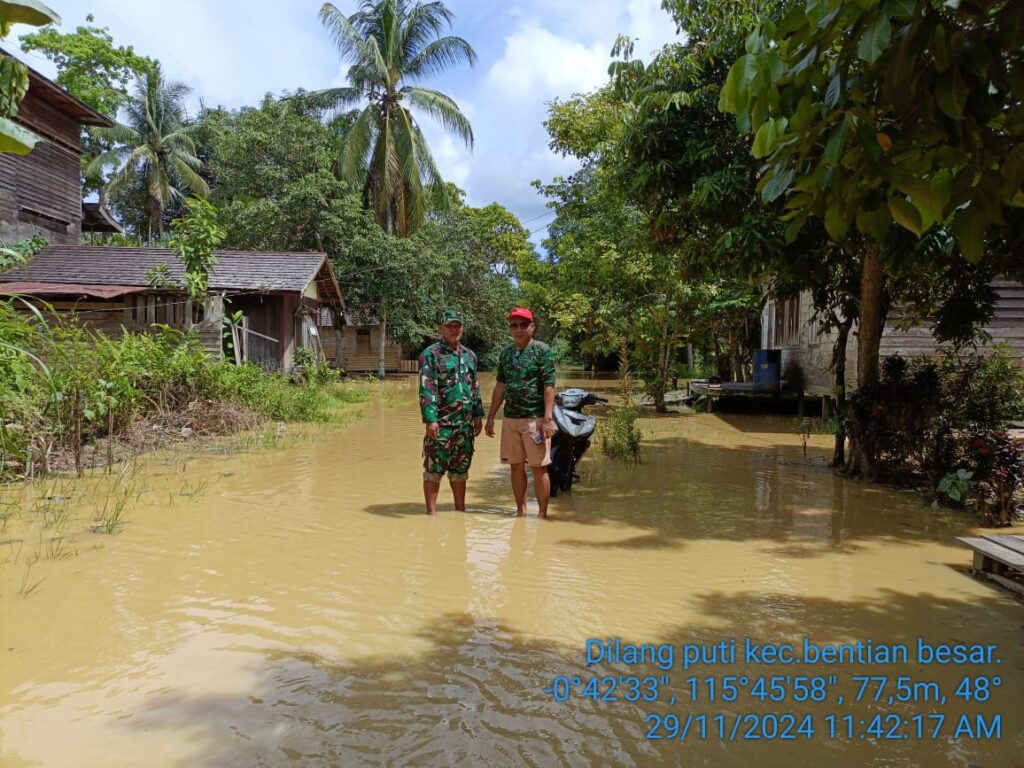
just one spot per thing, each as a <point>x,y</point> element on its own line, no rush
<point>517,446</point>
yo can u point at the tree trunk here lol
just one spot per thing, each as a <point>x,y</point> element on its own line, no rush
<point>381,343</point>
<point>839,386</point>
<point>339,339</point>
<point>869,337</point>
<point>624,386</point>
<point>664,357</point>
<point>156,219</point>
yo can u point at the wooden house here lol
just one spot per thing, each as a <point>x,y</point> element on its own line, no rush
<point>280,295</point>
<point>41,192</point>
<point>360,335</point>
<point>790,326</point>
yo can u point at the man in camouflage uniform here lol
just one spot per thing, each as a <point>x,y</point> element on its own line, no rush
<point>526,384</point>
<point>452,410</point>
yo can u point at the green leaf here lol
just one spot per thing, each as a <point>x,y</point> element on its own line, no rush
<point>1013,171</point>
<point>764,139</point>
<point>16,140</point>
<point>836,143</point>
<point>753,41</point>
<point>833,91</point>
<point>951,95</point>
<point>777,185</point>
<point>27,12</point>
<point>899,9</point>
<point>969,230</point>
<point>805,62</point>
<point>868,141</point>
<point>874,223</point>
<point>875,39</point>
<point>804,114</point>
<point>941,53</point>
<point>835,222</point>
<point>905,214</point>
<point>728,97</point>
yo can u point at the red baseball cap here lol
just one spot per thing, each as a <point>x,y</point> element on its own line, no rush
<point>521,312</point>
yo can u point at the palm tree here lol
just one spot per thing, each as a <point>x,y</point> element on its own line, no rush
<point>390,42</point>
<point>154,147</point>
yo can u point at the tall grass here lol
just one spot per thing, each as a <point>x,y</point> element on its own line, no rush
<point>64,387</point>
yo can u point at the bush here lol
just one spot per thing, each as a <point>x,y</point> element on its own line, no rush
<point>65,386</point>
<point>936,416</point>
<point>618,434</point>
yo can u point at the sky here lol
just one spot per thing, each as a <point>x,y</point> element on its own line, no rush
<point>233,52</point>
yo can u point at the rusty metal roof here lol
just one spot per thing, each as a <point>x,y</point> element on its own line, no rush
<point>67,289</point>
<point>257,271</point>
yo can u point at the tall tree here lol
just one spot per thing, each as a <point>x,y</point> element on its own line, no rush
<point>154,146</point>
<point>92,68</point>
<point>877,116</point>
<point>89,65</point>
<point>389,44</point>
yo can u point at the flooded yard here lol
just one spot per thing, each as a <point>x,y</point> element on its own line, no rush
<point>296,607</point>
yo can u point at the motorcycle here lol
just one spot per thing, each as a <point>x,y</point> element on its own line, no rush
<point>572,438</point>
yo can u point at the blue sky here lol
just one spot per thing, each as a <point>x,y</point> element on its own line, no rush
<point>232,52</point>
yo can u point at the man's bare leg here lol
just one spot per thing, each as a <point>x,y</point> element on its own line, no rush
<point>542,486</point>
<point>519,487</point>
<point>459,492</point>
<point>430,491</point>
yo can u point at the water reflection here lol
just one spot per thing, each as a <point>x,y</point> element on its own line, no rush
<point>304,610</point>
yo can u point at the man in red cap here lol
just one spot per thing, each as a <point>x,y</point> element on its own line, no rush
<point>526,384</point>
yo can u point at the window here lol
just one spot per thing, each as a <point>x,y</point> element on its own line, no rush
<point>362,341</point>
<point>787,322</point>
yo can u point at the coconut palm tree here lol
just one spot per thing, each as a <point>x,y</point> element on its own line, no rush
<point>390,43</point>
<point>153,146</point>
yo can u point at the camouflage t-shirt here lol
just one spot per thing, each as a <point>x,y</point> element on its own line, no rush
<point>525,374</point>
<point>449,390</point>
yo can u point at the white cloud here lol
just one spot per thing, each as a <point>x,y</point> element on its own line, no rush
<point>234,51</point>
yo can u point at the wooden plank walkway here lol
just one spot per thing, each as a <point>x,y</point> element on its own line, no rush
<point>997,556</point>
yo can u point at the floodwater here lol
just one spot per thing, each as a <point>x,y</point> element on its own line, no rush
<point>296,607</point>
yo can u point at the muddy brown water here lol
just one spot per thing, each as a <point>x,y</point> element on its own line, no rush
<point>295,607</point>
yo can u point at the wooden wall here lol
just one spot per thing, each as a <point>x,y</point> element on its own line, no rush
<point>41,192</point>
<point>263,316</point>
<point>811,349</point>
<point>362,356</point>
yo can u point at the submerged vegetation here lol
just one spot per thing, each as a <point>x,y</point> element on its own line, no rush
<point>70,397</point>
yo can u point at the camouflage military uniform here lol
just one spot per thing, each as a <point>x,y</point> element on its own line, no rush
<point>525,373</point>
<point>449,395</point>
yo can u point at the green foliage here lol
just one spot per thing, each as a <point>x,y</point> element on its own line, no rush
<point>924,413</point>
<point>18,253</point>
<point>461,255</point>
<point>618,435</point>
<point>89,65</point>
<point>1000,473</point>
<point>97,384</point>
<point>862,114</point>
<point>196,235</point>
<point>315,370</point>
<point>955,485</point>
<point>390,43</point>
<point>154,151</point>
